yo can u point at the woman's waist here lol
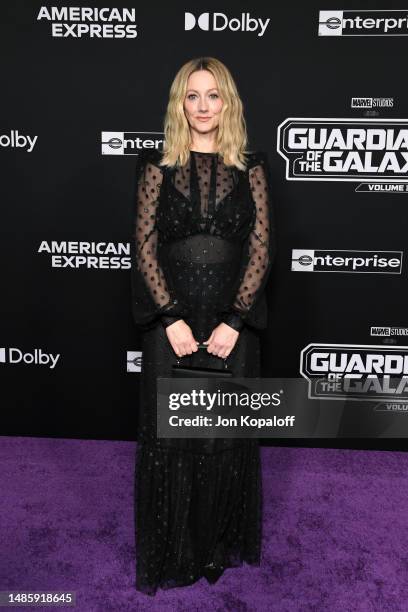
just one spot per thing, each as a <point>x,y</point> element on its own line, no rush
<point>201,249</point>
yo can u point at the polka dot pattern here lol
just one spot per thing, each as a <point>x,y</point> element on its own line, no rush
<point>197,501</point>
<point>187,206</point>
<point>202,247</point>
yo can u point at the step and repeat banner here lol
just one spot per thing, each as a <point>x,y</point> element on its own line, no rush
<point>84,90</point>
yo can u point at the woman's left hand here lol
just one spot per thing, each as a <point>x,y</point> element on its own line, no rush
<point>222,340</point>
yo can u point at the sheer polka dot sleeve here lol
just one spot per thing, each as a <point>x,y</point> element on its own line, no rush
<point>260,250</point>
<point>152,296</point>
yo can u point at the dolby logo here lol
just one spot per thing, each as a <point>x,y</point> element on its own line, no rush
<point>39,357</point>
<point>218,22</point>
<point>15,140</point>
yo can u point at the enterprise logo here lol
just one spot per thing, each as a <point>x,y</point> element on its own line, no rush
<point>363,23</point>
<point>319,260</point>
<point>134,361</point>
<point>130,143</point>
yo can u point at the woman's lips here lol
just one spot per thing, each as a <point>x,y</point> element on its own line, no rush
<point>203,118</point>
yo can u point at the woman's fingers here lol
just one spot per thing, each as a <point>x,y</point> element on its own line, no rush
<point>185,348</point>
<point>209,339</point>
<point>219,343</point>
<point>223,342</point>
<point>220,351</point>
<point>190,346</point>
<point>181,338</point>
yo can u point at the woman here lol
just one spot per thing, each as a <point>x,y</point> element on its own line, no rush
<point>201,251</point>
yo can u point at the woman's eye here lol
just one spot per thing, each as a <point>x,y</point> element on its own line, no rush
<point>190,96</point>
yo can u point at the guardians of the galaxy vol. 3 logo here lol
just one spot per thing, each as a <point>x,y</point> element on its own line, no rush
<point>373,150</point>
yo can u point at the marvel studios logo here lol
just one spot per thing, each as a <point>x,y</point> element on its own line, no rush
<point>372,103</point>
<point>384,331</point>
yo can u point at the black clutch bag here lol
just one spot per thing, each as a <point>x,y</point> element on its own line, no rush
<point>184,371</point>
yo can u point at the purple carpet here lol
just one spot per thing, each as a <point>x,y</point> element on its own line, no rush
<point>335,534</point>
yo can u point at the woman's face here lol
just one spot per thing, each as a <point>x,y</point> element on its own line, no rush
<point>202,103</point>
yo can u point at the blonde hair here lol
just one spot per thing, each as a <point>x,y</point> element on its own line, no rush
<point>232,134</point>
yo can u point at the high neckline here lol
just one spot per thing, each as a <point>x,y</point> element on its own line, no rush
<point>204,152</point>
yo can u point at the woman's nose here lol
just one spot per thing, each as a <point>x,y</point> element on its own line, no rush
<point>202,106</point>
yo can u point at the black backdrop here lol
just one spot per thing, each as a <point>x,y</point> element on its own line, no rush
<point>80,97</point>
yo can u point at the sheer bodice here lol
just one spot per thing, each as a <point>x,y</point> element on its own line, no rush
<point>192,218</point>
<point>203,242</point>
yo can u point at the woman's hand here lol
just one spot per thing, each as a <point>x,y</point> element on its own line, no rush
<point>222,340</point>
<point>181,338</point>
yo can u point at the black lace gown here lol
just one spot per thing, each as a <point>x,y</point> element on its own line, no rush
<point>202,247</point>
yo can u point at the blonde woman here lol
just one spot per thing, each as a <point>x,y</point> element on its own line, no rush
<point>202,248</point>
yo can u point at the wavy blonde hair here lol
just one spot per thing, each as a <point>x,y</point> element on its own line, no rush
<point>231,135</point>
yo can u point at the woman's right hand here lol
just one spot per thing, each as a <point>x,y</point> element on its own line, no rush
<point>181,338</point>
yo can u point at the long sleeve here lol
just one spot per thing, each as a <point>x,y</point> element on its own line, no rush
<point>152,296</point>
<point>246,307</point>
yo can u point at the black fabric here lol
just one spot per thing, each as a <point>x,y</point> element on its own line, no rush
<point>202,248</point>
<point>166,321</point>
<point>203,213</point>
<point>233,320</point>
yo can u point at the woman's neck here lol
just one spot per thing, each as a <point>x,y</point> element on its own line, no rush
<point>204,146</point>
